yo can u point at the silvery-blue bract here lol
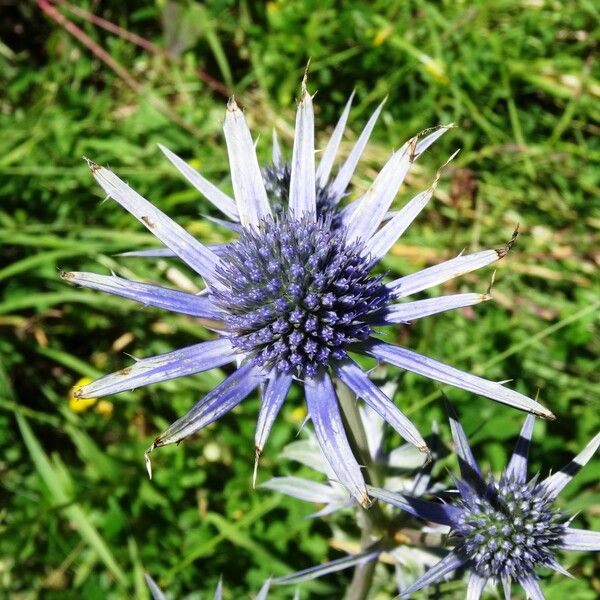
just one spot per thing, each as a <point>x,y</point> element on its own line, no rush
<point>157,593</point>
<point>502,529</point>
<point>295,294</point>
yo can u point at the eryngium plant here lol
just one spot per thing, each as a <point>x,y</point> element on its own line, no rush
<point>502,529</point>
<point>293,296</point>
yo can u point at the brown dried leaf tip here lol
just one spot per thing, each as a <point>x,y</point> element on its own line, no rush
<point>412,148</point>
<point>92,165</point>
<point>232,104</point>
<point>502,252</point>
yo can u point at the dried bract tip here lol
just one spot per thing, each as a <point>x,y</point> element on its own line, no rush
<point>502,252</point>
<point>428,455</point>
<point>232,104</point>
<point>305,78</point>
<point>147,460</point>
<point>255,472</point>
<point>412,148</point>
<point>488,292</point>
<point>92,165</point>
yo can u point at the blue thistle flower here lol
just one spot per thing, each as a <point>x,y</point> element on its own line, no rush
<point>502,529</point>
<point>292,296</point>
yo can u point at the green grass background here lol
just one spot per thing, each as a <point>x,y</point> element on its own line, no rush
<point>78,516</point>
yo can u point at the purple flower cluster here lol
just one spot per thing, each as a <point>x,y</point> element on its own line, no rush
<point>508,528</point>
<point>502,530</point>
<point>296,295</point>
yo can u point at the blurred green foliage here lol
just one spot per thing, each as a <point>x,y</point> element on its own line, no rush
<point>78,516</point>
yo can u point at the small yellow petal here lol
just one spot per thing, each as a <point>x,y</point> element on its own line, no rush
<point>79,405</point>
<point>298,414</point>
<point>105,408</point>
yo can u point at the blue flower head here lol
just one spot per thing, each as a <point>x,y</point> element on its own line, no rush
<point>502,529</point>
<point>293,295</point>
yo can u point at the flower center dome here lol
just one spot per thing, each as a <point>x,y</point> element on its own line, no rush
<point>296,294</point>
<point>509,530</point>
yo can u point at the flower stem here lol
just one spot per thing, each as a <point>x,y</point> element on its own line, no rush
<point>362,580</point>
<point>372,520</point>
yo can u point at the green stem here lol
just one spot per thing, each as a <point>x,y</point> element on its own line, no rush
<point>362,580</point>
<point>370,520</point>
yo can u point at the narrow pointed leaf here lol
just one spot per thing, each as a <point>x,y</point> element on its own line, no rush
<point>150,253</point>
<point>418,309</point>
<point>381,242</point>
<point>475,586</point>
<point>367,217</point>
<point>438,371</point>
<point>506,585</point>
<point>272,401</point>
<point>432,276</point>
<point>358,381</point>
<point>189,249</point>
<point>326,162</point>
<point>214,405</point>
<point>178,363</point>
<point>469,468</point>
<point>303,489</point>
<point>580,540</point>
<point>338,187</point>
<point>443,514</point>
<point>218,249</point>
<point>210,191</point>
<point>556,566</point>
<point>219,591</point>
<point>264,590</point>
<point>399,221</point>
<point>531,587</point>
<point>302,179</point>
<point>154,589</point>
<point>237,227</point>
<point>325,414</point>
<point>147,294</point>
<point>334,566</point>
<point>517,466</point>
<point>559,480</point>
<point>449,563</point>
<point>248,187</point>
<point>276,151</point>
